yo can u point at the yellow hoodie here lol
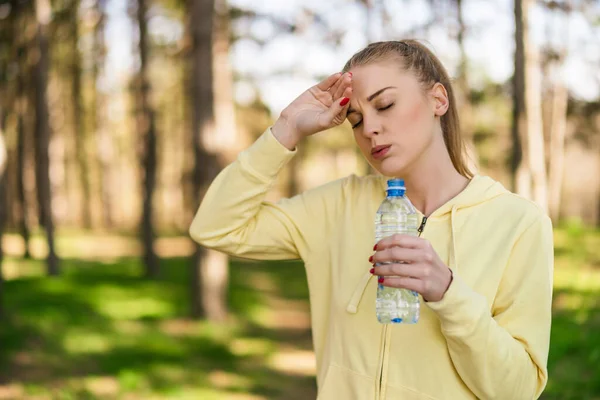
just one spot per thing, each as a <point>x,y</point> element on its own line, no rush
<point>488,337</point>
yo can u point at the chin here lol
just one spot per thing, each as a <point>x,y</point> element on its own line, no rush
<point>389,167</point>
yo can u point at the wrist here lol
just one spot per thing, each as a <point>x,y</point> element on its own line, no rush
<point>285,134</point>
<point>449,281</point>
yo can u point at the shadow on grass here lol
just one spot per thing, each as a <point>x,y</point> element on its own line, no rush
<point>574,360</point>
<point>103,320</point>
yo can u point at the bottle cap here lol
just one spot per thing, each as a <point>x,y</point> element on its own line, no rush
<point>395,187</point>
<point>395,184</point>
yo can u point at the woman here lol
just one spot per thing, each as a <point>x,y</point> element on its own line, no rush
<point>483,264</point>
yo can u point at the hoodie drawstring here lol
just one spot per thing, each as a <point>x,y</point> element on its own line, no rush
<point>452,259</point>
<point>352,307</point>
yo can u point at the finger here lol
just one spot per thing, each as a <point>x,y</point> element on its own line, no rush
<point>338,109</point>
<point>329,81</point>
<point>345,82</point>
<point>404,283</point>
<point>336,86</point>
<point>400,270</point>
<point>394,254</point>
<point>401,240</point>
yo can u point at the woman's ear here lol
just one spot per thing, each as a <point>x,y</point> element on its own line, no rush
<point>440,99</point>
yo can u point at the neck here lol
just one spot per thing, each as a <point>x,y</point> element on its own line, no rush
<point>432,180</point>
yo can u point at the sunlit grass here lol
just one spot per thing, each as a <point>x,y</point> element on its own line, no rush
<point>102,331</point>
<point>574,362</point>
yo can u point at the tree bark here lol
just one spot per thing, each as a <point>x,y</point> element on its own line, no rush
<point>519,160</point>
<point>146,125</point>
<point>531,171</point>
<point>208,267</point>
<point>22,110</point>
<point>558,130</point>
<point>3,213</point>
<point>42,130</point>
<point>102,134</point>
<point>535,126</point>
<point>558,119</point>
<point>80,133</point>
<point>463,94</point>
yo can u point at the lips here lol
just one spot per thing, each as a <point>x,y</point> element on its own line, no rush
<point>380,151</point>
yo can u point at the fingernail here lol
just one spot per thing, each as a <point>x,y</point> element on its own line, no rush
<point>380,280</point>
<point>371,259</point>
<point>372,270</point>
<point>375,248</point>
<point>344,101</point>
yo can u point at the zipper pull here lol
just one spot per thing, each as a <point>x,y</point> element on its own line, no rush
<point>423,222</point>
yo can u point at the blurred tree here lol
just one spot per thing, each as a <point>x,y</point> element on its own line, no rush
<point>6,60</point>
<point>3,205</point>
<point>146,125</point>
<point>42,129</point>
<point>555,55</point>
<point>22,108</point>
<point>104,145</point>
<point>209,268</point>
<point>464,90</point>
<point>529,162</point>
<point>78,109</point>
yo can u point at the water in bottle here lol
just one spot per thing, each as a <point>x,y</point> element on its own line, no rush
<point>396,214</point>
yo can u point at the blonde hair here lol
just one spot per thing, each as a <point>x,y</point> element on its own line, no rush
<point>428,69</point>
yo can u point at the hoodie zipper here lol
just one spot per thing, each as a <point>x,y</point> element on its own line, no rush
<point>384,347</point>
<point>422,226</point>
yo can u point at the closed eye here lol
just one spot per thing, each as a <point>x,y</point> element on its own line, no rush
<point>356,125</point>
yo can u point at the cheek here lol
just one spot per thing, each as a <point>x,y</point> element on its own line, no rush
<point>415,113</point>
<point>363,143</point>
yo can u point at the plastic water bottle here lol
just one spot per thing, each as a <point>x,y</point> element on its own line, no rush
<point>396,214</point>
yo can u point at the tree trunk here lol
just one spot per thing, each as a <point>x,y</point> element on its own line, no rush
<point>42,130</point>
<point>533,104</point>
<point>558,130</point>
<point>81,150</point>
<point>22,111</point>
<point>208,268</point>
<point>3,213</point>
<point>146,125</point>
<point>102,134</point>
<point>520,160</point>
<point>558,119</point>
<point>463,94</point>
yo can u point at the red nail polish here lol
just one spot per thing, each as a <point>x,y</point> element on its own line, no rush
<point>344,101</point>
<point>372,270</point>
<point>375,248</point>
<point>380,280</point>
<point>371,259</point>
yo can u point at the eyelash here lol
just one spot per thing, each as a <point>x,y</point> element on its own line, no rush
<point>379,109</point>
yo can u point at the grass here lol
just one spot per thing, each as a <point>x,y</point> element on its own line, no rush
<point>99,331</point>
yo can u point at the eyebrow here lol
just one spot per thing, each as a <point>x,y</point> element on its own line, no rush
<point>371,97</point>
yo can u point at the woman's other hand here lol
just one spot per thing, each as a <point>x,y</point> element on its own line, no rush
<point>321,107</point>
<point>414,265</point>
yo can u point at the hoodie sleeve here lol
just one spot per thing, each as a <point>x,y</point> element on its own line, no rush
<point>234,217</point>
<point>503,354</point>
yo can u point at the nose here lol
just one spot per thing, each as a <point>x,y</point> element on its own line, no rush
<point>371,126</point>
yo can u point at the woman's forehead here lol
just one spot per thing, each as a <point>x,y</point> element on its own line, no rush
<point>368,79</point>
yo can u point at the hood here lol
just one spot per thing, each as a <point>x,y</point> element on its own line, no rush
<point>479,190</point>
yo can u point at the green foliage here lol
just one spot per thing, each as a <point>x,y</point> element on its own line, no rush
<point>101,331</point>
